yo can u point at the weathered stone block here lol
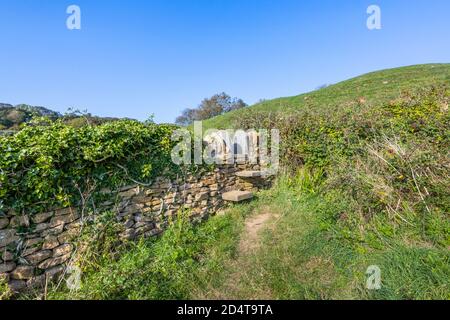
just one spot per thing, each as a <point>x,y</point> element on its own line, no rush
<point>169,201</point>
<point>36,282</point>
<point>33,242</point>
<point>65,211</point>
<point>156,202</point>
<point>249,174</point>
<point>153,233</point>
<point>146,209</point>
<point>214,187</point>
<point>237,196</point>
<point>144,229</point>
<point>53,231</point>
<point>4,222</point>
<point>50,242</point>
<point>77,224</point>
<point>128,234</point>
<point>52,262</point>
<point>39,256</point>
<point>63,219</point>
<point>133,208</point>
<point>25,253</point>
<point>68,236</point>
<point>202,196</point>
<point>129,223</point>
<point>17,285</point>
<point>7,236</point>
<point>7,256</point>
<point>141,224</point>
<point>41,227</point>
<point>22,273</point>
<point>62,250</point>
<point>129,193</point>
<point>7,267</point>
<point>42,217</point>
<point>54,272</point>
<point>165,185</point>
<point>142,198</point>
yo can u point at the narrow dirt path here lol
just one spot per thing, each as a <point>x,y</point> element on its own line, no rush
<point>250,243</point>
<point>251,237</point>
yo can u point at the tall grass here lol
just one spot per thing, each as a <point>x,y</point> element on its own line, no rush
<point>184,259</point>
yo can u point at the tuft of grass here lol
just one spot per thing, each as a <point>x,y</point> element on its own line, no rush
<point>5,291</point>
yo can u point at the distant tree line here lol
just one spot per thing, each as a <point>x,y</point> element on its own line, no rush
<point>12,118</point>
<point>216,105</point>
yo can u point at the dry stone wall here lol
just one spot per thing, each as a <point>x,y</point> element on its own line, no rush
<point>37,249</point>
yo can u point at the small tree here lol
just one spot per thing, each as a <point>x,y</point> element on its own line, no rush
<point>216,105</point>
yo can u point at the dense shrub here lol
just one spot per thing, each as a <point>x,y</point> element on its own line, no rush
<point>51,163</point>
<point>389,161</point>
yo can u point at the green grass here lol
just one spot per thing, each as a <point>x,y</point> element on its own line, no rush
<point>305,257</point>
<point>186,259</point>
<point>376,88</point>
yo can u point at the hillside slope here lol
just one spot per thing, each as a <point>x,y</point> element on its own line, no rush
<point>372,88</point>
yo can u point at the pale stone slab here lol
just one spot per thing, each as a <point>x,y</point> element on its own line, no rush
<point>237,196</point>
<point>249,174</point>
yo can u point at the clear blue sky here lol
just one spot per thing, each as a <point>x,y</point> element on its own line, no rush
<point>133,58</point>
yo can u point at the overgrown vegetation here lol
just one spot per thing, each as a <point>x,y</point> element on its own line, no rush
<point>390,161</point>
<point>50,163</point>
<point>184,259</point>
<point>5,292</point>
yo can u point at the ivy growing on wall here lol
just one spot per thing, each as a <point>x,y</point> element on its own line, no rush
<point>53,164</point>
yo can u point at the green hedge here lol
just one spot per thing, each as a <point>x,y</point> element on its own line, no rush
<point>49,163</point>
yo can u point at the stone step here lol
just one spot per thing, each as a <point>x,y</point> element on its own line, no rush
<point>237,196</point>
<point>249,174</point>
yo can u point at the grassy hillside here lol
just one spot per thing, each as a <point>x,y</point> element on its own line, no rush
<point>365,182</point>
<point>373,88</point>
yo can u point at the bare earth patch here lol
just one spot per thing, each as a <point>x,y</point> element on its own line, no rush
<point>250,240</point>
